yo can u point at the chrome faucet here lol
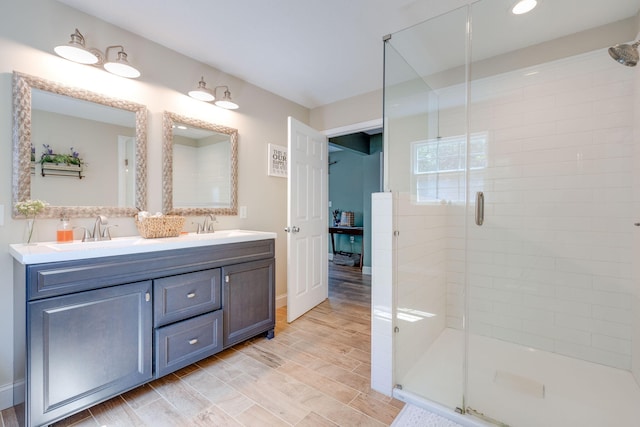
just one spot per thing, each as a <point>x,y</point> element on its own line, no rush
<point>98,233</point>
<point>207,224</point>
<point>100,220</point>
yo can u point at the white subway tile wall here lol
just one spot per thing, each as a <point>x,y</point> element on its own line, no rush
<point>551,268</point>
<point>610,313</point>
<point>421,260</point>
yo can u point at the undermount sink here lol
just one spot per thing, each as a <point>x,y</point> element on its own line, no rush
<point>220,234</point>
<point>53,251</point>
<point>79,245</point>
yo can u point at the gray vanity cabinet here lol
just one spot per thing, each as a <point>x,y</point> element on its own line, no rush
<point>94,328</point>
<point>86,347</point>
<point>249,300</point>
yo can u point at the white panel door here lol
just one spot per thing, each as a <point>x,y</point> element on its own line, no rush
<point>307,207</point>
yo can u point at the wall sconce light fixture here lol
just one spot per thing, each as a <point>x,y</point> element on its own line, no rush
<point>523,6</point>
<point>76,51</point>
<point>202,93</point>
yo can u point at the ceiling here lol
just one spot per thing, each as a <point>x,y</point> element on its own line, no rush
<point>318,52</point>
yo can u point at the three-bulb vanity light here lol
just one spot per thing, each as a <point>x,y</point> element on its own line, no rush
<point>205,94</point>
<point>76,51</point>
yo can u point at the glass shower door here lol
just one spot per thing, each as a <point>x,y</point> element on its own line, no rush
<point>549,270</point>
<point>425,170</point>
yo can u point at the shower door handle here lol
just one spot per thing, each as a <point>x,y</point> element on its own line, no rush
<point>479,208</point>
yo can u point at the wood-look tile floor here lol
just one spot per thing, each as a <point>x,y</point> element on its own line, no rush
<point>315,372</point>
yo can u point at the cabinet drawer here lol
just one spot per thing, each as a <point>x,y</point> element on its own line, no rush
<point>186,295</point>
<point>186,342</point>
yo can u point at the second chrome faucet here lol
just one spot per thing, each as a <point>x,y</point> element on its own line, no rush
<point>98,232</point>
<point>207,224</point>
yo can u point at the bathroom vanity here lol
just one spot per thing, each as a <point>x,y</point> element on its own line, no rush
<point>98,319</point>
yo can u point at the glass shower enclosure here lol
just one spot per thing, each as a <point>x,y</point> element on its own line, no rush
<point>513,167</point>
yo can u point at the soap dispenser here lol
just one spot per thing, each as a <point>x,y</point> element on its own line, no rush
<point>65,231</point>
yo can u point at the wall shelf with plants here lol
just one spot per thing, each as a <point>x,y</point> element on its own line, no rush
<point>61,164</point>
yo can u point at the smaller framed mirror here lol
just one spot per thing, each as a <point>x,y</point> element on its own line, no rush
<point>200,167</point>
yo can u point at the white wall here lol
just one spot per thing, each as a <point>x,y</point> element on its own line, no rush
<point>382,293</point>
<point>29,29</point>
<point>359,109</point>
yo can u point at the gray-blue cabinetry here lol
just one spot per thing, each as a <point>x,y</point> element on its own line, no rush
<point>188,319</point>
<point>249,300</point>
<point>97,327</point>
<point>86,347</point>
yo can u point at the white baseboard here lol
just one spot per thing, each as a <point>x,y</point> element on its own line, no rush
<point>6,394</point>
<point>281,301</point>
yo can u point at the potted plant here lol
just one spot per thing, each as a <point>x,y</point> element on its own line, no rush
<point>60,159</point>
<point>30,208</point>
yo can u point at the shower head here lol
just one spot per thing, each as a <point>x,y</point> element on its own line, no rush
<point>625,54</point>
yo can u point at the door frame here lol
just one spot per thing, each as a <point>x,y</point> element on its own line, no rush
<point>355,128</point>
<point>334,132</point>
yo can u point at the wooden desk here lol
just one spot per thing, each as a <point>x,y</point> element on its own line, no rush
<point>351,231</point>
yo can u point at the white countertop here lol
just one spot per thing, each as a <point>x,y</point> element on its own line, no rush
<point>51,251</point>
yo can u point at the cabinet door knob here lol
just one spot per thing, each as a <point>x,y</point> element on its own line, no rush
<point>191,295</point>
<point>193,341</point>
<point>226,279</point>
<point>147,297</point>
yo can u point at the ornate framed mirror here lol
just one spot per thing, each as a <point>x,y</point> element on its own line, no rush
<point>200,167</point>
<point>108,135</point>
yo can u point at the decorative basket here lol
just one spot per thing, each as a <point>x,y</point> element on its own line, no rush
<point>163,226</point>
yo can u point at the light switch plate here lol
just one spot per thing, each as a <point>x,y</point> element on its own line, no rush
<point>243,212</point>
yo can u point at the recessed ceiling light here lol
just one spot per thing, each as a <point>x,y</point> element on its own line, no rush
<point>524,6</point>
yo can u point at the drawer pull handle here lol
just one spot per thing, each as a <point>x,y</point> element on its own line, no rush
<point>193,341</point>
<point>191,295</point>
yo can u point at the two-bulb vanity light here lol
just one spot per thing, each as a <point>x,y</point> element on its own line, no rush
<point>203,93</point>
<point>76,51</point>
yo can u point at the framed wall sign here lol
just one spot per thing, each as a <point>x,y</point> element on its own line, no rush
<point>277,161</point>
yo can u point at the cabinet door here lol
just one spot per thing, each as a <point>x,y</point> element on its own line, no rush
<point>86,347</point>
<point>248,300</point>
